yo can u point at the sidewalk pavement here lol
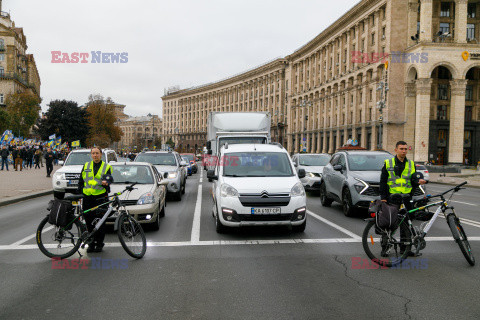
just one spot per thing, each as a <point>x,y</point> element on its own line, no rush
<point>471,176</point>
<point>29,183</point>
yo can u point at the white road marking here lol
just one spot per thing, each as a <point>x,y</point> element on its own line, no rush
<point>336,226</point>
<point>467,203</point>
<point>467,221</point>
<point>19,242</point>
<point>234,243</point>
<point>195,236</point>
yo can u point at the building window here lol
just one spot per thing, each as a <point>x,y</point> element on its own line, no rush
<point>441,112</point>
<point>469,93</point>
<point>2,101</point>
<point>470,31</point>
<point>2,57</point>
<point>2,72</point>
<point>472,10</point>
<point>444,28</point>
<point>468,113</point>
<point>373,39</point>
<point>442,92</point>
<point>445,9</point>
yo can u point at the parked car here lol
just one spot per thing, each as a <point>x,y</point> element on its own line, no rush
<point>423,170</point>
<point>257,185</point>
<point>147,201</point>
<point>172,163</point>
<point>192,160</point>
<point>65,179</point>
<point>189,165</point>
<point>313,164</point>
<point>352,178</point>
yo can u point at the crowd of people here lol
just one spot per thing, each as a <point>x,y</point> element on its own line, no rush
<point>28,157</point>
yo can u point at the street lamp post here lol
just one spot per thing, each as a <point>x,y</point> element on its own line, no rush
<point>304,104</point>
<point>383,88</point>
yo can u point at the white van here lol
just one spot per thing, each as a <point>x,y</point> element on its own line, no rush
<point>257,185</point>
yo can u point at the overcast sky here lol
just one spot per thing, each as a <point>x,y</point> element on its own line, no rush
<point>175,42</point>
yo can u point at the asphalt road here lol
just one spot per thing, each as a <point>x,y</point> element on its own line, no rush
<point>191,272</point>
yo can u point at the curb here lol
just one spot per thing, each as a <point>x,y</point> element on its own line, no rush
<point>25,197</point>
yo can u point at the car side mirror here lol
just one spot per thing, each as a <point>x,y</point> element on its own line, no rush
<point>301,173</point>
<point>338,167</point>
<point>295,164</point>
<point>211,175</point>
<point>183,163</point>
<point>163,182</point>
<point>165,175</point>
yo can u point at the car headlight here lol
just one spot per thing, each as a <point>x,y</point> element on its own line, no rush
<point>59,175</point>
<point>146,198</point>
<point>172,175</point>
<point>298,190</point>
<point>360,186</point>
<point>228,191</point>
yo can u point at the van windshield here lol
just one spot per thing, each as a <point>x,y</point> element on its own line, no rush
<point>314,159</point>
<point>256,164</point>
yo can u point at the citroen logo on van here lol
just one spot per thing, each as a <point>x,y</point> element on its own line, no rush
<point>264,194</point>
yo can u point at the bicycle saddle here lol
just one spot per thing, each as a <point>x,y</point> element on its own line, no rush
<point>74,197</point>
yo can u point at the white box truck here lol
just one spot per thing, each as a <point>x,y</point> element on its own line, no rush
<point>235,128</point>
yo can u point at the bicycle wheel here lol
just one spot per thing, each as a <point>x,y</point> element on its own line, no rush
<point>386,248</point>
<point>461,238</point>
<point>56,242</point>
<point>131,236</point>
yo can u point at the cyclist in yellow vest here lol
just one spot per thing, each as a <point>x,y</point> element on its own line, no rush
<point>96,191</point>
<point>398,177</point>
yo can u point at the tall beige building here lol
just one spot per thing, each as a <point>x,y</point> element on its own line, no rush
<point>141,132</point>
<point>18,70</point>
<point>330,90</point>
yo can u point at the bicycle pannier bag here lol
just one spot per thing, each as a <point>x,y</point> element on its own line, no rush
<point>61,213</point>
<point>387,216</point>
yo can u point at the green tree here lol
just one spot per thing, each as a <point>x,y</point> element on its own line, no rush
<point>23,109</point>
<point>102,122</point>
<point>4,120</point>
<point>64,118</point>
<point>170,143</point>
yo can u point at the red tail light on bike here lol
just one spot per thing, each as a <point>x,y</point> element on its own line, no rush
<point>372,214</point>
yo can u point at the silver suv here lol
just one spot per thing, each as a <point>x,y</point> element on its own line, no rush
<point>172,163</point>
<point>313,164</point>
<point>353,179</point>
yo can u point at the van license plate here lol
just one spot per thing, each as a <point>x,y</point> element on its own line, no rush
<point>265,210</point>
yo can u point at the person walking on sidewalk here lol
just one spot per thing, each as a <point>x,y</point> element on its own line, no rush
<point>5,153</point>
<point>36,158</point>
<point>41,155</point>
<point>49,161</point>
<point>30,157</point>
<point>17,158</point>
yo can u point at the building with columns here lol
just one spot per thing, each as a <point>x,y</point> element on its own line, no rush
<point>330,89</point>
<point>140,132</point>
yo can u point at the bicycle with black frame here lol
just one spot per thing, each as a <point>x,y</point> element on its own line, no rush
<point>62,242</point>
<point>390,247</point>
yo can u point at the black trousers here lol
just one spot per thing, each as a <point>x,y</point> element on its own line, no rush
<point>49,168</point>
<point>90,202</point>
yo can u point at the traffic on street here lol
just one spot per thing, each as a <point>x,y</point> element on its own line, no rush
<point>192,271</point>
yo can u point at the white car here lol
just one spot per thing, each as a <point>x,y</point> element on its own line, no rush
<point>313,164</point>
<point>423,170</point>
<point>147,201</point>
<point>257,185</point>
<point>66,178</point>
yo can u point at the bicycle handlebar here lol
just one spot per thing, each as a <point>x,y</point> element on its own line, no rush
<point>455,189</point>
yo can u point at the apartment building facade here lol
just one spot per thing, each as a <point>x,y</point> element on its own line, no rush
<point>385,71</point>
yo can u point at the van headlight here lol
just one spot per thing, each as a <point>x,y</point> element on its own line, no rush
<point>59,175</point>
<point>298,190</point>
<point>228,191</point>
<point>146,198</point>
<point>172,175</point>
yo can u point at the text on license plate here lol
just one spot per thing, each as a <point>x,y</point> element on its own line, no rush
<point>265,210</point>
<point>72,183</point>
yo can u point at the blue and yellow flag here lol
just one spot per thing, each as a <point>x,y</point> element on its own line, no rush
<point>76,143</point>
